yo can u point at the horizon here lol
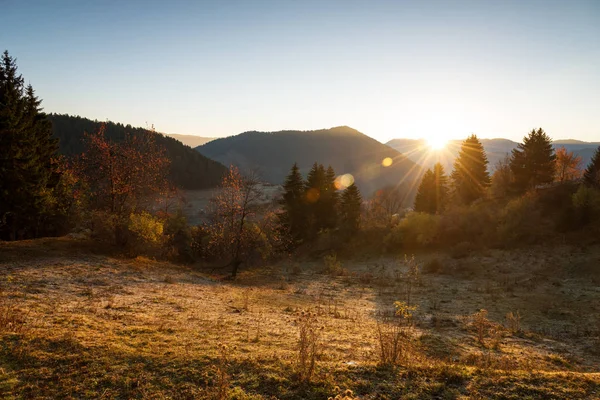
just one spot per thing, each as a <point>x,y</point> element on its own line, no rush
<point>389,70</point>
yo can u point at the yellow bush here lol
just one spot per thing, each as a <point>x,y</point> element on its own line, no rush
<point>413,231</point>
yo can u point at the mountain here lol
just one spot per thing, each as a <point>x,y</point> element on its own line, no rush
<point>496,149</point>
<point>345,149</point>
<point>189,169</point>
<point>190,140</point>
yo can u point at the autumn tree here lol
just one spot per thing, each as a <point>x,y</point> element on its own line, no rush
<point>533,161</point>
<point>350,207</point>
<point>125,177</point>
<point>591,176</point>
<point>386,203</point>
<point>293,203</point>
<point>232,229</point>
<point>568,165</point>
<point>432,194</point>
<point>470,178</point>
<point>27,149</point>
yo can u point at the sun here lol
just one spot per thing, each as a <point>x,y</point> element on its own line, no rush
<point>437,142</point>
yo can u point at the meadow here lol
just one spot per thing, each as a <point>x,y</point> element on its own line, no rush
<point>79,321</point>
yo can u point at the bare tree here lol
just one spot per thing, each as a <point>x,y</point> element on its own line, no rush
<point>233,209</point>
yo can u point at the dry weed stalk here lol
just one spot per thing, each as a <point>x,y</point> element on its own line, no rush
<point>395,338</point>
<point>513,322</point>
<point>309,334</point>
<point>223,378</point>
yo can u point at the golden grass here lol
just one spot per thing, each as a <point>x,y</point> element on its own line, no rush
<point>102,326</point>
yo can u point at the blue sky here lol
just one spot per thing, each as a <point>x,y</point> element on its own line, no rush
<point>387,68</point>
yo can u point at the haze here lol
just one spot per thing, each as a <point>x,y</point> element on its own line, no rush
<point>389,69</point>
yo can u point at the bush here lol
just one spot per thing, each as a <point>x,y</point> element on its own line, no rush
<point>416,230</point>
<point>103,226</point>
<point>475,224</point>
<point>178,238</point>
<point>521,221</point>
<point>145,234</point>
<point>586,202</point>
<point>333,266</point>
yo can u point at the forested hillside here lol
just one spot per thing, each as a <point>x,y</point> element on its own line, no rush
<point>189,169</point>
<point>345,149</point>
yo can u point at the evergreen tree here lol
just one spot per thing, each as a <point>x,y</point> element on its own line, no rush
<point>470,177</point>
<point>433,191</point>
<point>26,151</point>
<point>293,217</point>
<point>591,176</point>
<point>533,161</point>
<point>315,187</point>
<point>350,204</point>
<point>329,199</point>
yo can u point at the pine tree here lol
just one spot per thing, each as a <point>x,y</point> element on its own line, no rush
<point>329,199</point>
<point>350,205</point>
<point>316,187</point>
<point>591,176</point>
<point>470,177</point>
<point>533,161</point>
<point>433,191</point>
<point>293,217</point>
<point>26,151</point>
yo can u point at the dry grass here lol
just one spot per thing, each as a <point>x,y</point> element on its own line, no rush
<point>100,326</point>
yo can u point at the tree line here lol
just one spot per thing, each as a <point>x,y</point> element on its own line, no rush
<point>533,164</point>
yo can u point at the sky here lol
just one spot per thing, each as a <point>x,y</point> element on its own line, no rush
<point>391,69</point>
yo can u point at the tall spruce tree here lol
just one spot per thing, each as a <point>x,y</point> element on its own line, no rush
<point>350,205</point>
<point>432,194</point>
<point>591,176</point>
<point>26,151</point>
<point>470,177</point>
<point>330,199</point>
<point>321,198</point>
<point>293,216</point>
<point>533,161</point>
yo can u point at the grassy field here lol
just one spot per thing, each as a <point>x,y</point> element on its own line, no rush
<point>76,322</point>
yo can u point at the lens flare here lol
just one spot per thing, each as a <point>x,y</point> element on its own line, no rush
<point>343,181</point>
<point>387,162</point>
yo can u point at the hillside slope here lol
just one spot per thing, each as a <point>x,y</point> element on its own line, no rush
<point>345,149</point>
<point>189,170</point>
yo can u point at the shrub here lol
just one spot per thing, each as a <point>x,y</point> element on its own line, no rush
<point>416,230</point>
<point>178,238</point>
<point>103,226</point>
<point>513,322</point>
<point>521,221</point>
<point>475,224</point>
<point>146,234</point>
<point>586,202</point>
<point>333,266</point>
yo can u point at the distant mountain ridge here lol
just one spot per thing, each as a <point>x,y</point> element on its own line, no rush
<point>345,149</point>
<point>190,140</point>
<point>496,149</point>
<point>188,170</point>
